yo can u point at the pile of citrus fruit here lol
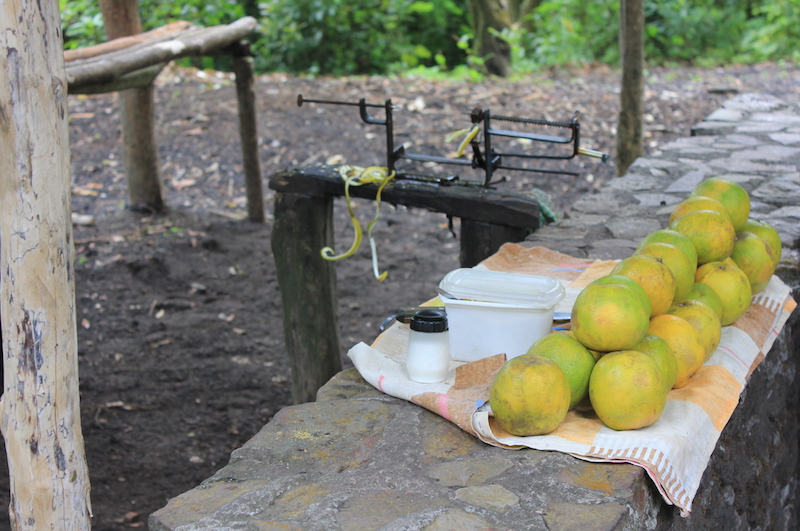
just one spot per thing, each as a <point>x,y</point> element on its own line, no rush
<point>650,324</point>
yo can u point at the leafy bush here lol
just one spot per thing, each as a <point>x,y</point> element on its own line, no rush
<point>571,31</point>
<point>156,13</point>
<point>81,23</point>
<point>359,36</point>
<point>431,37</point>
<point>565,32</point>
<point>700,31</point>
<point>773,32</point>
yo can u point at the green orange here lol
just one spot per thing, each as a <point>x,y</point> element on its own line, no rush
<point>627,390</point>
<point>697,202</point>
<point>654,276</point>
<point>575,361</point>
<point>676,260</point>
<point>529,396</point>
<point>610,316</point>
<point>705,293</point>
<point>712,234</point>
<point>660,352</point>
<point>730,194</point>
<point>754,256</point>
<point>766,232</point>
<point>672,237</point>
<point>732,286</point>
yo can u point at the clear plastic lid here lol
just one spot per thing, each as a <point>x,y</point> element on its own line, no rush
<point>506,288</point>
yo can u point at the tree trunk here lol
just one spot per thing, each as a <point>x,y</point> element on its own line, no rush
<point>629,125</point>
<point>40,407</point>
<point>518,11</point>
<point>486,15</point>
<point>137,116</point>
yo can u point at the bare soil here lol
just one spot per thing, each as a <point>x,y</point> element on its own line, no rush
<point>181,345</point>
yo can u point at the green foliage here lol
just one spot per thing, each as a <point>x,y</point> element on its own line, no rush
<point>430,38</point>
<point>702,31</point>
<point>565,32</point>
<point>156,13</point>
<point>359,36</point>
<point>773,32</point>
<point>81,22</point>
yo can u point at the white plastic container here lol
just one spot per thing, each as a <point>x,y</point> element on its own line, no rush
<point>493,312</point>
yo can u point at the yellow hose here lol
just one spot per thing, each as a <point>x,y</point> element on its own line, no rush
<point>356,176</point>
<point>469,135</point>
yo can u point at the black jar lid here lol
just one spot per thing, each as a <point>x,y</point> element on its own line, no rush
<point>429,320</point>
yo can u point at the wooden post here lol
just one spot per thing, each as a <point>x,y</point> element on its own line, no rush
<point>40,408</point>
<point>303,225</point>
<point>480,240</point>
<point>137,117</point>
<point>629,126</point>
<point>248,132</point>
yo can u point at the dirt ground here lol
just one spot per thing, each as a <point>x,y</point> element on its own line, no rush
<point>181,345</point>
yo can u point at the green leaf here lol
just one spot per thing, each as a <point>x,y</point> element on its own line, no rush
<point>421,7</point>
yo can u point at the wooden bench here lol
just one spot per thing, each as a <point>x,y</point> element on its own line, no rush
<point>135,61</point>
<point>304,224</point>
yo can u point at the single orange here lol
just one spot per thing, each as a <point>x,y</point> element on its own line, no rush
<point>754,256</point>
<point>705,293</point>
<point>730,194</point>
<point>627,390</point>
<point>575,361</point>
<point>609,316</point>
<point>685,343</point>
<point>711,233</point>
<point>676,260</point>
<point>704,320</point>
<point>697,202</point>
<point>654,276</point>
<point>529,396</point>
<point>731,285</point>
<point>766,232</point>
<point>672,237</point>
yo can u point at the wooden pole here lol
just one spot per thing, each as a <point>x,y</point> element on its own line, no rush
<point>303,226</point>
<point>40,407</point>
<point>137,117</point>
<point>629,125</point>
<point>248,133</point>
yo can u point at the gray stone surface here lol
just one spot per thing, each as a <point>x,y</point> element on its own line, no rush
<point>761,162</point>
<point>357,459</point>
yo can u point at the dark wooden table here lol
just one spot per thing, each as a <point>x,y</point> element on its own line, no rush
<point>304,225</point>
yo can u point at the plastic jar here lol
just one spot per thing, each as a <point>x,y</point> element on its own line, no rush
<point>428,359</point>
